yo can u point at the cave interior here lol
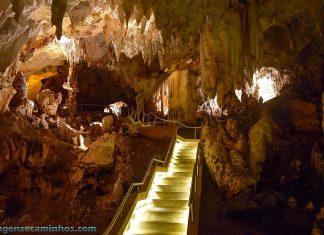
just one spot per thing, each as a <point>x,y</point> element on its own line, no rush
<point>92,90</point>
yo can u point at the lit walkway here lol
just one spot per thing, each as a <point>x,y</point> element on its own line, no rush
<point>165,210</point>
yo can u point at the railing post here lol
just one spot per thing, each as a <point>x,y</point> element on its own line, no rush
<point>195,133</point>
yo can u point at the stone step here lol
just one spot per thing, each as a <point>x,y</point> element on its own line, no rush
<point>178,169</point>
<point>165,211</point>
<point>181,164</point>
<point>171,217</point>
<point>180,174</point>
<point>174,180</point>
<point>170,188</point>
<point>169,195</point>
<point>184,157</point>
<point>149,227</point>
<point>183,160</point>
<point>170,203</point>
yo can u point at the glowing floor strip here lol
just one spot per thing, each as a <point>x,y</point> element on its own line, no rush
<point>165,210</point>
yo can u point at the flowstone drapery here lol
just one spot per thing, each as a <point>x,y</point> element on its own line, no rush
<point>182,97</point>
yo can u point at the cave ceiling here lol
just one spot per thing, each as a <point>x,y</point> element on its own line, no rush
<point>222,39</point>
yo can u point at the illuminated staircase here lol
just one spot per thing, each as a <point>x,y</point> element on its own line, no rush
<point>165,210</point>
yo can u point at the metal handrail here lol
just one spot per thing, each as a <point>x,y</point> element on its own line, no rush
<point>195,173</point>
<point>165,120</point>
<point>137,185</point>
<point>162,120</point>
<point>193,187</point>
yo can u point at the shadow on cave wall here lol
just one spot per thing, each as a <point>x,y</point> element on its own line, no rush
<point>102,87</point>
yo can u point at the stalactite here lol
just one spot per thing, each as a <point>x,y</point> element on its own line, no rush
<point>255,33</point>
<point>138,36</point>
<point>58,10</point>
<point>18,7</point>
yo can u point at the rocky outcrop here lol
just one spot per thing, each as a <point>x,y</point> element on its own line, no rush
<point>225,150</point>
<point>101,153</point>
<point>107,123</point>
<point>26,108</point>
<point>129,128</point>
<point>231,104</point>
<point>19,84</point>
<point>5,96</point>
<point>260,136</point>
<point>48,102</point>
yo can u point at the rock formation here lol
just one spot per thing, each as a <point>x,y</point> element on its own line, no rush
<point>225,149</point>
<point>6,94</point>
<point>101,153</point>
<point>260,136</point>
<point>48,102</point>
